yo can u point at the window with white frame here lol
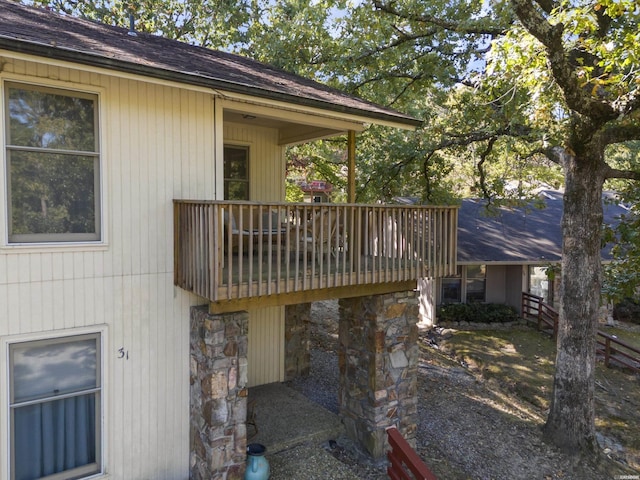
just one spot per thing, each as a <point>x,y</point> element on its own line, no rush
<point>52,164</point>
<point>55,391</point>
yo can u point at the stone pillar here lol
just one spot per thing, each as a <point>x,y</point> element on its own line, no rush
<point>218,395</point>
<point>297,338</point>
<point>378,358</point>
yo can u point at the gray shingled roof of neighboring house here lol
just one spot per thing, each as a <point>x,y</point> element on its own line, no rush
<point>40,32</point>
<point>518,235</point>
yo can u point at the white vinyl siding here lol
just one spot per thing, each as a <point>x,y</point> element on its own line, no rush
<point>157,144</point>
<point>267,160</point>
<point>266,346</point>
<point>266,183</point>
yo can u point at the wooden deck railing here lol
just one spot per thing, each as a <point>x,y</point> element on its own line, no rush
<point>404,462</point>
<point>618,353</point>
<point>533,306</point>
<point>613,350</point>
<point>227,250</point>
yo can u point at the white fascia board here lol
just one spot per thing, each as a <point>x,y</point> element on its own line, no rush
<point>324,118</point>
<point>6,54</point>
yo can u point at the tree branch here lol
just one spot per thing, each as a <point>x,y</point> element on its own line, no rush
<point>547,5</point>
<point>386,76</point>
<point>483,157</point>
<point>425,173</point>
<point>550,36</point>
<point>620,132</point>
<point>404,38</point>
<point>475,29</point>
<point>555,154</point>
<point>625,174</point>
<point>464,139</point>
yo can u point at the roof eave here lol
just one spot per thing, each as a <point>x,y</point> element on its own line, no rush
<point>64,54</point>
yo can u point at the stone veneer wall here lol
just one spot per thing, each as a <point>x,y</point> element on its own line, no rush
<point>218,395</point>
<point>378,360</point>
<point>297,340</point>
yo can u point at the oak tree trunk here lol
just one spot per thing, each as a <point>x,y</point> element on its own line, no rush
<point>570,424</point>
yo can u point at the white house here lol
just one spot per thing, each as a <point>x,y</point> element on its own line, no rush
<point>121,154</point>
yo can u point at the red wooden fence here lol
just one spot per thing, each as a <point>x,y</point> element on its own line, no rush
<point>405,464</point>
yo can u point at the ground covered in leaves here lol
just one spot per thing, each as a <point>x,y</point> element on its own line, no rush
<point>483,399</point>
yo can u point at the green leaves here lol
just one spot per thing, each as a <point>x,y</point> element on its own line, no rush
<point>471,70</point>
<point>220,24</point>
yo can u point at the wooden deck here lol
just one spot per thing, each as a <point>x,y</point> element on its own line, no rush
<point>232,253</point>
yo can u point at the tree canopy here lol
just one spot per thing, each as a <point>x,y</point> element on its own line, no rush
<point>527,79</point>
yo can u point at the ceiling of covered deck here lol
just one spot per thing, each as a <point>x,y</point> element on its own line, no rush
<point>294,127</point>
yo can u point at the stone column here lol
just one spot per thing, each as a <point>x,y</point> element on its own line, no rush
<point>378,359</point>
<point>218,395</point>
<point>297,338</point>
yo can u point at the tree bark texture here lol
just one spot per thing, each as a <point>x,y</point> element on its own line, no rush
<point>570,424</point>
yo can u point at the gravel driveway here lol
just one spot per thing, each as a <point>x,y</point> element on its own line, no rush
<point>467,428</point>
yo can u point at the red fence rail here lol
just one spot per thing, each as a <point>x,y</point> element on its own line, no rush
<point>405,464</point>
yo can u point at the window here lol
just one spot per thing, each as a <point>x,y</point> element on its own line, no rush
<point>452,288</point>
<point>539,283</point>
<point>469,284</point>
<point>475,283</point>
<point>55,408</point>
<point>236,173</point>
<point>53,165</point>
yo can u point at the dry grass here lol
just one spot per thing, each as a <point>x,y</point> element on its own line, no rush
<point>522,363</point>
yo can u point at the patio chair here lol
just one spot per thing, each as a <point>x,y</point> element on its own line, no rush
<point>230,225</point>
<point>252,230</point>
<point>324,235</point>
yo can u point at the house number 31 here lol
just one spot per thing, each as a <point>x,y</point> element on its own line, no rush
<point>122,353</point>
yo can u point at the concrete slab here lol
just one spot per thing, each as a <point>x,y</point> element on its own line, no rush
<point>285,418</point>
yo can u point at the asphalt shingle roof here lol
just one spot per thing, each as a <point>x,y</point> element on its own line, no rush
<point>41,32</point>
<point>518,235</point>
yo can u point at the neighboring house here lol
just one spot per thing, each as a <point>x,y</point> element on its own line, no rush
<point>316,191</point>
<point>503,252</point>
<point>150,270</point>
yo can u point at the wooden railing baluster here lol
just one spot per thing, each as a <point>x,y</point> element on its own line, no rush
<point>226,250</point>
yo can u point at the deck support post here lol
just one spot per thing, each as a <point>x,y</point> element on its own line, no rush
<point>378,360</point>
<point>218,394</point>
